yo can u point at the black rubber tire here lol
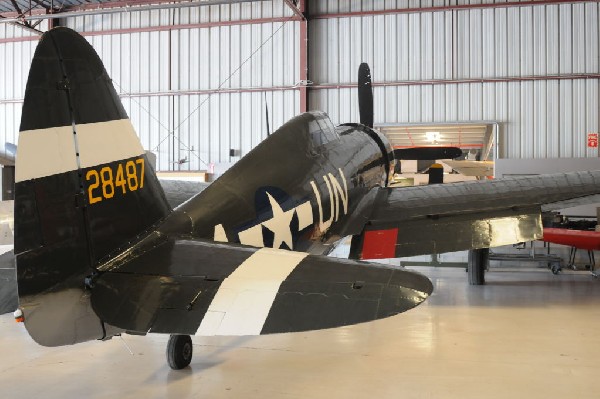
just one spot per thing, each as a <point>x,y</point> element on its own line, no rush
<point>556,269</point>
<point>179,351</point>
<point>477,263</point>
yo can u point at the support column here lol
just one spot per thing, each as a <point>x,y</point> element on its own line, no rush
<point>303,47</point>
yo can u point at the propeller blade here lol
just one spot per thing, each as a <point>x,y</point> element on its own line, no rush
<point>267,115</point>
<point>365,95</point>
<point>427,153</point>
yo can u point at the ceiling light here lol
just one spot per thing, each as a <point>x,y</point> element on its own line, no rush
<point>433,136</point>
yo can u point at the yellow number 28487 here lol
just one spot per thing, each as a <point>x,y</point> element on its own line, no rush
<point>105,182</point>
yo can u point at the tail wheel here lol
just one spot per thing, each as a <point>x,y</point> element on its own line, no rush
<point>179,351</point>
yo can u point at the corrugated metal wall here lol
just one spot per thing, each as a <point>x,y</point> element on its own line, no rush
<point>167,77</point>
<point>540,118</point>
<point>15,59</point>
<point>191,93</point>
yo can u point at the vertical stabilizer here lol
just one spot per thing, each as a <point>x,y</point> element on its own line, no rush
<point>84,187</point>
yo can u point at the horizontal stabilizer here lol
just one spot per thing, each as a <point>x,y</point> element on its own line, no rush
<point>206,288</point>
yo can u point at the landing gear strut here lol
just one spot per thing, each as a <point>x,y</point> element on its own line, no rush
<point>478,262</point>
<point>179,351</point>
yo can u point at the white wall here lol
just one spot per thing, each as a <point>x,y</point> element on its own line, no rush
<point>424,55</point>
<point>166,77</point>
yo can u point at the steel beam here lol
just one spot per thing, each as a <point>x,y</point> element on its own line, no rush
<point>19,39</point>
<point>206,92</point>
<point>129,7</point>
<point>187,26</point>
<point>27,27</point>
<point>162,28</point>
<point>16,6</point>
<point>295,9</point>
<point>136,3</point>
<point>22,26</point>
<point>509,4</point>
<point>435,82</point>
<point>209,92</point>
<point>303,49</point>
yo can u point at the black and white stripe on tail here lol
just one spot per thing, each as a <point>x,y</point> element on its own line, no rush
<point>84,187</point>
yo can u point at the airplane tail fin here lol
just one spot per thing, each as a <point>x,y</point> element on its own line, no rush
<point>84,187</point>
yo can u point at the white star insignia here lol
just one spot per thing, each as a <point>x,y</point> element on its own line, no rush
<point>280,224</point>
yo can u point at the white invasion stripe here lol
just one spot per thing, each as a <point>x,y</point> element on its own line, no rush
<point>104,142</point>
<point>252,236</point>
<point>244,299</point>
<point>45,152</point>
<point>220,235</point>
<point>305,215</point>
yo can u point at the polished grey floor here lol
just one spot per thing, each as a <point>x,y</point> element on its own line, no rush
<point>527,334</point>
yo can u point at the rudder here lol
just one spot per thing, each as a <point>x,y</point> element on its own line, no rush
<point>84,188</point>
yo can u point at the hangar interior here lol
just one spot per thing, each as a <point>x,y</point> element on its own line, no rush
<point>512,83</point>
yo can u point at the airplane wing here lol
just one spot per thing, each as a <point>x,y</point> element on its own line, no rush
<point>100,251</point>
<point>472,168</point>
<point>205,288</point>
<point>408,221</point>
<point>179,191</point>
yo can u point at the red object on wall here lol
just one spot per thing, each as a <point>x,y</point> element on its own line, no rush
<point>581,239</point>
<point>379,244</point>
<point>593,140</point>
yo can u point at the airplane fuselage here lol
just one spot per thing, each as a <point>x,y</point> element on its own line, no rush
<point>311,177</point>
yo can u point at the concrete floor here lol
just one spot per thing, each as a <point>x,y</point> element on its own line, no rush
<point>525,334</point>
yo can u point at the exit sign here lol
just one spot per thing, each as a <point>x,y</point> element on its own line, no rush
<point>592,140</point>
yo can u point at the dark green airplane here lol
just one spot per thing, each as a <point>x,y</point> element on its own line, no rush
<point>100,252</point>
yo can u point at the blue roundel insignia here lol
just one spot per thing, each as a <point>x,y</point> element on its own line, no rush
<point>280,220</point>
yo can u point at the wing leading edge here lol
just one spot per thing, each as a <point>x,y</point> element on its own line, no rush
<point>409,221</point>
<point>206,288</point>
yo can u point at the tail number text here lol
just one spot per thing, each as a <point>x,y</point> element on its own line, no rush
<point>106,181</point>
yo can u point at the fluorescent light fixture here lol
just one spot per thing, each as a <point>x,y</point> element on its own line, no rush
<point>433,136</point>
